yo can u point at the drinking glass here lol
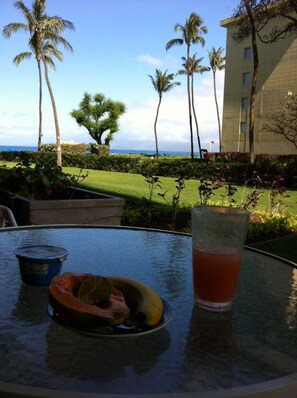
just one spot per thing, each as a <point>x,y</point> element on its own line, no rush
<point>218,238</point>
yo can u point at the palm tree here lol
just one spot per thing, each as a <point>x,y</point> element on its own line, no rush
<point>246,14</point>
<point>162,82</point>
<point>217,62</point>
<point>192,66</point>
<point>49,50</point>
<point>191,34</point>
<point>42,28</point>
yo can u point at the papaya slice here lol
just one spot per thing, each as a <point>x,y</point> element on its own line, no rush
<point>95,290</point>
<point>63,297</point>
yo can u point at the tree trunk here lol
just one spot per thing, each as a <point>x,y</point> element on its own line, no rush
<point>39,145</point>
<point>218,113</point>
<point>254,82</point>
<point>195,117</point>
<point>190,105</point>
<point>58,138</point>
<point>155,127</point>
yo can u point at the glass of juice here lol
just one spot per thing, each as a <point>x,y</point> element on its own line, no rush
<point>218,238</point>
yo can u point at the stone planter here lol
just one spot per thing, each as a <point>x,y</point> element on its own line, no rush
<point>85,207</point>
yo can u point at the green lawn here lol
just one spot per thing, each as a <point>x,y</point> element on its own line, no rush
<point>134,187</point>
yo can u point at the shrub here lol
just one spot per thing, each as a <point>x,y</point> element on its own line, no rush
<point>237,167</point>
<point>264,226</point>
<point>43,181</point>
<point>81,149</point>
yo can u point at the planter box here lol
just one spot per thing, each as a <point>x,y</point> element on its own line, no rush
<point>85,207</point>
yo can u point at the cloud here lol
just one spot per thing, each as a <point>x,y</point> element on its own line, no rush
<point>137,125</point>
<point>22,135</point>
<point>150,60</point>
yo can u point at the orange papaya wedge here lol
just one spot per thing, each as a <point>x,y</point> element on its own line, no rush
<point>63,297</point>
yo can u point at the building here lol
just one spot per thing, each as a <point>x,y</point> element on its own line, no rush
<point>277,76</point>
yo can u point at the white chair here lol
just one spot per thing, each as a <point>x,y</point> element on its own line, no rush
<point>6,217</point>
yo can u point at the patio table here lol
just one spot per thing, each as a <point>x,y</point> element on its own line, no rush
<point>250,351</point>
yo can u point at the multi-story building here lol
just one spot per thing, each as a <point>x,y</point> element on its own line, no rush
<point>277,77</point>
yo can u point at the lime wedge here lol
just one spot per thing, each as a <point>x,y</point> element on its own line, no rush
<point>95,290</point>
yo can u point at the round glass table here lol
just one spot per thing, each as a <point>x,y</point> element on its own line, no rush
<point>250,351</point>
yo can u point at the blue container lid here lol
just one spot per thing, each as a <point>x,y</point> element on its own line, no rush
<point>40,252</point>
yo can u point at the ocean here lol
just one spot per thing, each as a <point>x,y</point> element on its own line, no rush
<point>15,148</point>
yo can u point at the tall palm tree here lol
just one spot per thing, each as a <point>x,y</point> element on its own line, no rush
<point>162,82</point>
<point>192,66</point>
<point>246,14</point>
<point>41,28</point>
<point>217,62</point>
<point>49,50</point>
<point>191,34</point>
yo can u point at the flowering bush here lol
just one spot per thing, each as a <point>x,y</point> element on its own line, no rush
<point>265,226</point>
<point>41,182</point>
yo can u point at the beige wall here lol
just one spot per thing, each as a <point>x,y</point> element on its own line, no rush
<point>277,76</point>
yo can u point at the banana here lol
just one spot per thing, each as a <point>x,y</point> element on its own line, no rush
<point>141,299</point>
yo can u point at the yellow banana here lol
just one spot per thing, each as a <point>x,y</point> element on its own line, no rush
<point>141,299</point>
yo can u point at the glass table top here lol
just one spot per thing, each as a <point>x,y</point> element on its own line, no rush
<point>196,352</point>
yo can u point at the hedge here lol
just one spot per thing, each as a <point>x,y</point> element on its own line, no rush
<point>235,169</point>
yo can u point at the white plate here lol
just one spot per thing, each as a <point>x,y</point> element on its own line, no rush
<point>114,331</point>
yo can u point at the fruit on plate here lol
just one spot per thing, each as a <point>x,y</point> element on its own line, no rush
<point>95,290</point>
<point>63,297</point>
<point>145,304</point>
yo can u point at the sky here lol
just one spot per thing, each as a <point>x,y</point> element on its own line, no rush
<point>116,45</point>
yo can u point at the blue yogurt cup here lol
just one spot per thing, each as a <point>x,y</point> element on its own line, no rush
<point>39,264</point>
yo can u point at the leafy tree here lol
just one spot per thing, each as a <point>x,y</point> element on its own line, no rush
<point>99,115</point>
<point>253,18</point>
<point>246,27</point>
<point>285,121</point>
<point>268,10</point>
<point>191,34</point>
<point>162,82</point>
<point>217,62</point>
<point>42,29</point>
<point>192,66</point>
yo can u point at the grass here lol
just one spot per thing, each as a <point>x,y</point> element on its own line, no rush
<point>133,187</point>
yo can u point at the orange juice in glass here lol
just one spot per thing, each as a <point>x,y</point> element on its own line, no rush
<point>218,237</point>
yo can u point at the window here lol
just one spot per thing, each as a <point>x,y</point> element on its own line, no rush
<point>247,53</point>
<point>244,103</point>
<point>246,78</point>
<point>243,127</point>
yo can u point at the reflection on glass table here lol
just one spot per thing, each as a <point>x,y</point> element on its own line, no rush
<point>251,349</point>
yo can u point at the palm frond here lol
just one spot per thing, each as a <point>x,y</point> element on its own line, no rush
<point>181,72</point>
<point>13,28</point>
<point>21,57</point>
<point>216,59</point>
<point>163,81</point>
<point>49,61</point>
<point>19,5</point>
<point>57,24</point>
<point>64,42</point>
<point>174,42</point>
<point>199,40</point>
